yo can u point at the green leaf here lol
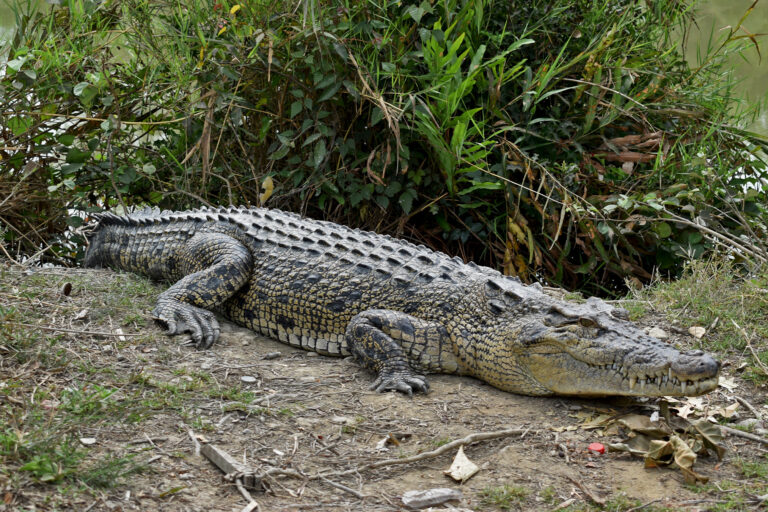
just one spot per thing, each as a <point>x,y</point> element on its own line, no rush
<point>319,154</point>
<point>19,124</point>
<point>662,229</point>
<point>149,169</point>
<point>415,12</point>
<point>79,88</point>
<point>75,156</point>
<point>393,188</point>
<point>486,185</point>
<point>280,153</point>
<point>286,137</point>
<point>16,64</point>
<point>329,93</point>
<point>406,200</point>
<point>296,107</point>
<point>376,116</point>
<point>312,138</point>
<point>155,197</point>
<point>625,203</point>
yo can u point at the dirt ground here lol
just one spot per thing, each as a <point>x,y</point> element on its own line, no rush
<point>313,414</point>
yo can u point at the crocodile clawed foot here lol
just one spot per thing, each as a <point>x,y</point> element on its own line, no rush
<point>178,317</point>
<point>403,381</point>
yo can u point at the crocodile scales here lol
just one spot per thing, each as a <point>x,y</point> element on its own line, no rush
<point>400,309</point>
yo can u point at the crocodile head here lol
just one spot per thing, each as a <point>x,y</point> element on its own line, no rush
<point>552,347</point>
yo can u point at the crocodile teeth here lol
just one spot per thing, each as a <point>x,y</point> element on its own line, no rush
<point>669,373</point>
<point>683,385</point>
<point>632,382</point>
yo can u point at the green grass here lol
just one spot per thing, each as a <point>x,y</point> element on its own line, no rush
<point>504,497</point>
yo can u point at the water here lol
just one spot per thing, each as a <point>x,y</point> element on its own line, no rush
<point>717,14</point>
<point>751,73</point>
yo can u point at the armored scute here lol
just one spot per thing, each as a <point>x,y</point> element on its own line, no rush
<point>400,309</point>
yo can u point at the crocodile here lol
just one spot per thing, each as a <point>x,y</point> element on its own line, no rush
<point>400,309</point>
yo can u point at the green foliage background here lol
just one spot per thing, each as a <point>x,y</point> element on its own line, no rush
<point>566,141</point>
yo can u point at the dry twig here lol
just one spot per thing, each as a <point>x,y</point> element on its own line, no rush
<point>472,438</point>
<point>746,435</point>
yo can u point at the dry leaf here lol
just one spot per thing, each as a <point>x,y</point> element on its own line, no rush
<point>697,331</point>
<point>711,435</point>
<point>643,425</point>
<point>726,412</point>
<point>462,468</point>
<point>268,186</point>
<point>728,383</point>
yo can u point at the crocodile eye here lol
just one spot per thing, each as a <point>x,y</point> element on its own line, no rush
<point>587,322</point>
<point>497,307</point>
<point>511,298</point>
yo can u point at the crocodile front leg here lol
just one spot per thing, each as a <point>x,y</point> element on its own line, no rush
<point>214,266</point>
<point>392,344</point>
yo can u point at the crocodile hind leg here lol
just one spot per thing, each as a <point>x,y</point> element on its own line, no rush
<point>392,343</point>
<point>215,266</point>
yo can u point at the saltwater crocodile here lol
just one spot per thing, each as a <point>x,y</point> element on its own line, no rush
<point>400,309</point>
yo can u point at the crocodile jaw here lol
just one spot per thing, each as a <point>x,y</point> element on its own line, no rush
<point>647,367</point>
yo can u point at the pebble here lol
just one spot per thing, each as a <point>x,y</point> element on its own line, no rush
<point>750,423</point>
<point>248,379</point>
<point>657,332</point>
<point>430,497</point>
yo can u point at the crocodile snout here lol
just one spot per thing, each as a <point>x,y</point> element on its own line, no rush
<point>695,365</point>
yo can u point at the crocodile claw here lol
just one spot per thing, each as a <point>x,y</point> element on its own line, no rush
<point>405,382</point>
<point>178,317</point>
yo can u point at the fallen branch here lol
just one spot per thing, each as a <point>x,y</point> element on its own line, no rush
<point>750,407</point>
<point>193,437</point>
<point>746,435</point>
<point>592,496</point>
<point>344,488</point>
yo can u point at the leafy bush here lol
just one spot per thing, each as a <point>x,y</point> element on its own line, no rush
<point>566,141</point>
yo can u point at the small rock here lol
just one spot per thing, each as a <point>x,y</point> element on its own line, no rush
<point>87,441</point>
<point>697,332</point>
<point>750,423</point>
<point>248,379</point>
<point>342,420</point>
<point>657,332</point>
<point>312,354</point>
<point>271,355</point>
<point>430,497</point>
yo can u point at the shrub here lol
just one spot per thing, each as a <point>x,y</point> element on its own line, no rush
<point>567,141</point>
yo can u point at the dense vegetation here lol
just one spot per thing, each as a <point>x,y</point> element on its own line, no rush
<point>565,140</point>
